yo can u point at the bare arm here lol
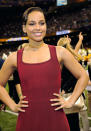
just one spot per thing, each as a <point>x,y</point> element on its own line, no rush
<point>79,43</point>
<point>6,71</point>
<point>19,91</point>
<point>78,71</point>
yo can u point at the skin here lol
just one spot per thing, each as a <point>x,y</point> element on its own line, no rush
<point>36,32</point>
<point>67,42</point>
<point>19,91</point>
<point>77,47</point>
<point>79,43</point>
<point>35,27</point>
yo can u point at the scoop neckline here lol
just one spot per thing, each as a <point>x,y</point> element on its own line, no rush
<point>36,63</point>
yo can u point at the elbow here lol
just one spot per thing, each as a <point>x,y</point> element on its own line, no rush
<point>86,77</point>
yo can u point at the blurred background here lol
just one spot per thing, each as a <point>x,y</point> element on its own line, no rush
<point>63,17</point>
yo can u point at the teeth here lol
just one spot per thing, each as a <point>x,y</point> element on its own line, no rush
<point>37,33</point>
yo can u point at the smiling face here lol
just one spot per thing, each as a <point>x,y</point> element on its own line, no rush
<point>35,26</point>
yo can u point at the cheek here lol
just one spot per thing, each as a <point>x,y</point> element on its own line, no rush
<point>44,28</point>
<point>29,29</point>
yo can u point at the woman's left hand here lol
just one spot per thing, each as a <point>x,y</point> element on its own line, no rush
<point>60,102</point>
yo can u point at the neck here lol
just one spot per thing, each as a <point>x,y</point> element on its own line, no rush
<point>36,44</point>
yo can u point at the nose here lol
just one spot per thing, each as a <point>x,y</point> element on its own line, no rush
<point>37,26</point>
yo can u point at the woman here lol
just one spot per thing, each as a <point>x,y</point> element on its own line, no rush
<point>39,66</point>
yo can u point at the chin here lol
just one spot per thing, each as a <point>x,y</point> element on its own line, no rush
<point>39,40</point>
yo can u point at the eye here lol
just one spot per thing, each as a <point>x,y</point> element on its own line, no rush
<point>42,23</point>
<point>31,24</point>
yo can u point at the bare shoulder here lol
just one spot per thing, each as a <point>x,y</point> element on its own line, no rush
<point>62,53</point>
<point>60,49</point>
<point>8,68</point>
<point>70,62</point>
<point>12,59</point>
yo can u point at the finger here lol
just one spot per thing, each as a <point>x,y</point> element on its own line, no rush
<point>58,108</point>
<point>24,102</point>
<point>22,97</point>
<point>23,105</point>
<point>55,94</point>
<point>54,99</point>
<point>63,92</point>
<point>67,36</point>
<point>59,96</point>
<point>21,110</point>
<point>56,104</point>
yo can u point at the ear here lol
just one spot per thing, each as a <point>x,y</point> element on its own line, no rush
<point>24,28</point>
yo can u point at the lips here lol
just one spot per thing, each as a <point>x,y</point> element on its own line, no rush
<point>37,34</point>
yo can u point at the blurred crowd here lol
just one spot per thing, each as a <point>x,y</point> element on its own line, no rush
<point>69,20</point>
<point>60,18</point>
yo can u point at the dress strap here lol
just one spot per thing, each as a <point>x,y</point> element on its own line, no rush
<point>19,56</point>
<point>53,52</point>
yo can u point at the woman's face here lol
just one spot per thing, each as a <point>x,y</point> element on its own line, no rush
<point>35,26</point>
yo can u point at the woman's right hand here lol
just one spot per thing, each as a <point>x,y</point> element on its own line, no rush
<point>18,107</point>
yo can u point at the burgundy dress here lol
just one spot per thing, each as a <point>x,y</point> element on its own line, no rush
<point>39,81</point>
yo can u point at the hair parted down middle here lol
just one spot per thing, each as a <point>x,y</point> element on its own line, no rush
<point>28,11</point>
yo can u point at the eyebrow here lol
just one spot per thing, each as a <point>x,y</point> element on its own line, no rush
<point>35,21</point>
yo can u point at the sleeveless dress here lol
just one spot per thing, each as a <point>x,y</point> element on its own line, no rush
<point>39,81</point>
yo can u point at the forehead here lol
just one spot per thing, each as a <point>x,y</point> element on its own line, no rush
<point>36,16</point>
